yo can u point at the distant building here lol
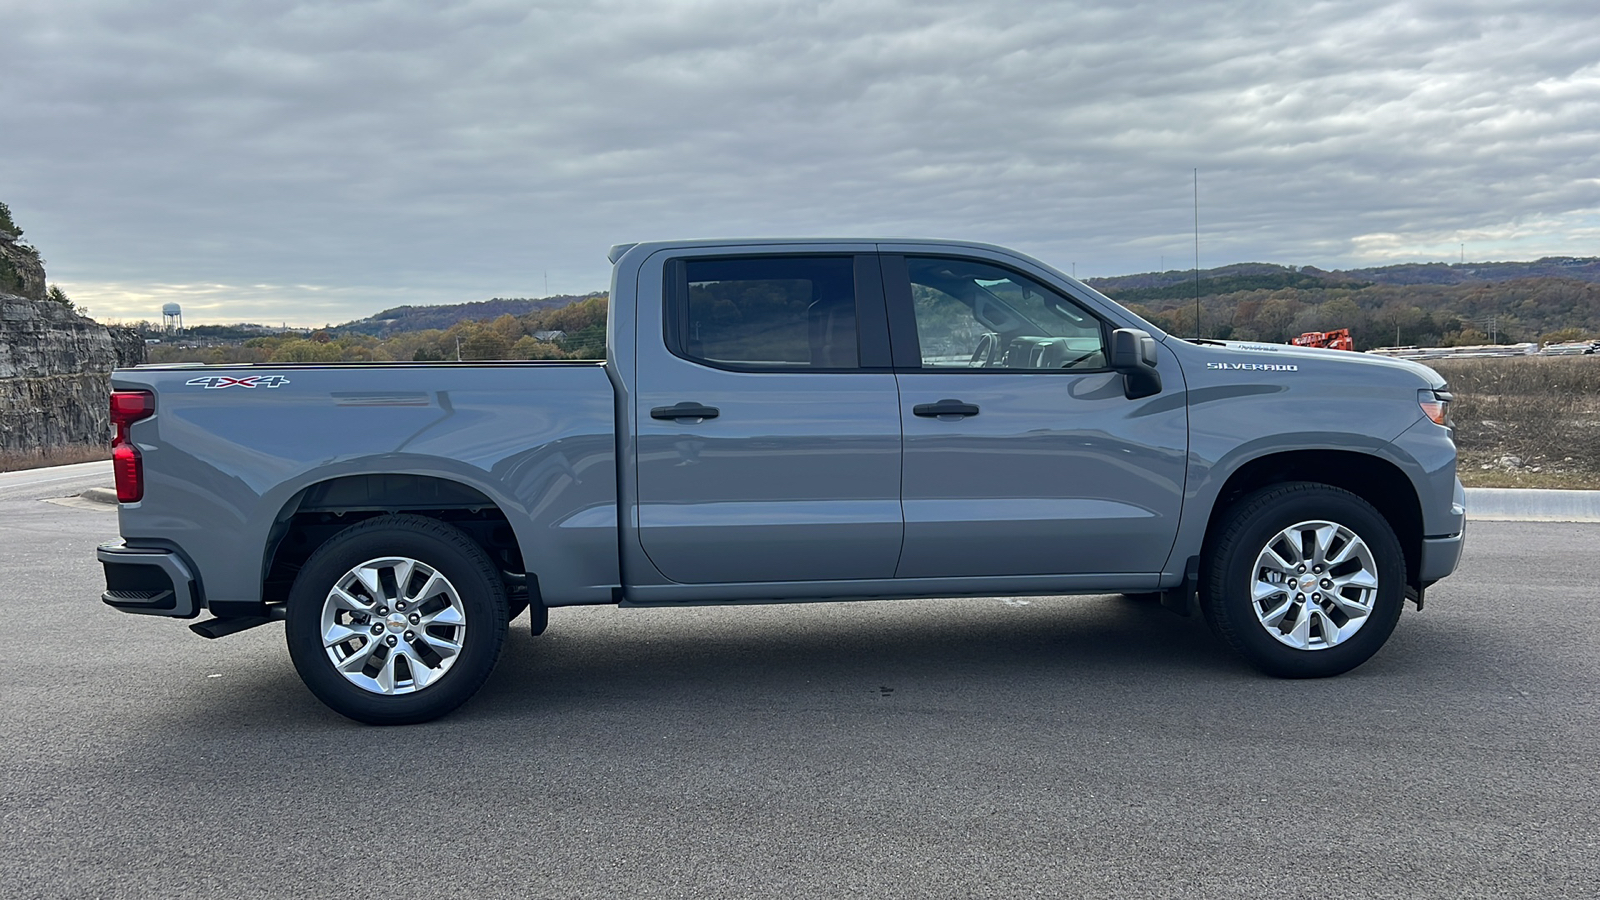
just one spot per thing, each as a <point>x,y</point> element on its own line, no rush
<point>549,336</point>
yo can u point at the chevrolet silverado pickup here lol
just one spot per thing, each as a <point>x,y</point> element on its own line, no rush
<point>786,420</point>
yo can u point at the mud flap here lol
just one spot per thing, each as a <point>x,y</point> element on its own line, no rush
<point>1184,598</point>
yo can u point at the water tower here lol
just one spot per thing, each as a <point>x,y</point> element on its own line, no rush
<point>171,317</point>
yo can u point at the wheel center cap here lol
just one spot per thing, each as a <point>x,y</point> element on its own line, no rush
<point>396,621</point>
<point>1308,582</point>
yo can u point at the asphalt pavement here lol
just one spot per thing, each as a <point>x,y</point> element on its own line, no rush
<point>1054,747</point>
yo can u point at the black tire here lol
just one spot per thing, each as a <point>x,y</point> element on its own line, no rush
<point>1231,572</point>
<point>478,598</point>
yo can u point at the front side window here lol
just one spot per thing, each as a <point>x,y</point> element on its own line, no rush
<point>974,315</point>
<point>768,312</point>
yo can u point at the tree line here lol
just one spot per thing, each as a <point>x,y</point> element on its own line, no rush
<point>1382,315</point>
<point>1272,309</point>
<point>581,326</point>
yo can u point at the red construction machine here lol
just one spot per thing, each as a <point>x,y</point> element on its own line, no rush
<point>1337,339</point>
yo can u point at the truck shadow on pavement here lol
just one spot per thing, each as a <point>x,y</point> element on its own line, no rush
<point>700,660</point>
<point>767,654</point>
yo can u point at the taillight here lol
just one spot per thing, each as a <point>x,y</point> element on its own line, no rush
<point>1436,406</point>
<point>128,407</point>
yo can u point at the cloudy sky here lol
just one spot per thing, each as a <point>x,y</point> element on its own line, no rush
<point>315,162</point>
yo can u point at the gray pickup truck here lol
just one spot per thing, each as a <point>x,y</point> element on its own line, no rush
<point>786,420</point>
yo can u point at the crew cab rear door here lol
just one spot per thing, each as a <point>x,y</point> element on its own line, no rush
<point>767,419</point>
<point>1022,454</point>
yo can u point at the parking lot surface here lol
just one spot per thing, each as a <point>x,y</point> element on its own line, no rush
<point>1053,747</point>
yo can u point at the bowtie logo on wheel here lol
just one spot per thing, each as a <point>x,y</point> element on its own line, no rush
<point>213,382</point>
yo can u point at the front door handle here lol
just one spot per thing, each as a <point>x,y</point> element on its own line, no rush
<point>685,410</point>
<point>945,408</point>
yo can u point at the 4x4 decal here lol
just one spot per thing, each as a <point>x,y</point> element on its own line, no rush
<point>211,382</point>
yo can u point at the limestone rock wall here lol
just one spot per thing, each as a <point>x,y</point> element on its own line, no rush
<point>21,270</point>
<point>55,369</point>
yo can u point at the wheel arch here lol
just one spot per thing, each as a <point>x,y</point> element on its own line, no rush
<point>322,509</point>
<point>1374,479</point>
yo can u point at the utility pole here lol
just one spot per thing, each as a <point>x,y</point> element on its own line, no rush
<point>1197,254</point>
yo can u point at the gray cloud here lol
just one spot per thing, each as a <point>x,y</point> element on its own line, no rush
<point>314,162</point>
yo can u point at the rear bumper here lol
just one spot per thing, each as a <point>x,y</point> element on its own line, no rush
<point>148,581</point>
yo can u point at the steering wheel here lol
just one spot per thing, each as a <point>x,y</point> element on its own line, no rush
<point>982,352</point>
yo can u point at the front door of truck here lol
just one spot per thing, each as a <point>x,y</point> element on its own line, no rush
<point>1022,454</point>
<point>768,422</point>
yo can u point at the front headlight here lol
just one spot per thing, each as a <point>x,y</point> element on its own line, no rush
<point>1436,406</point>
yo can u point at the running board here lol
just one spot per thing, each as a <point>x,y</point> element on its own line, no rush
<point>216,628</point>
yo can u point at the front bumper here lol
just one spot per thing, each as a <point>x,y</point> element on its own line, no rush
<point>1439,557</point>
<point>1441,553</point>
<point>149,581</point>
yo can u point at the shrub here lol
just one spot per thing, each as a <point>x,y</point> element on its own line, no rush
<point>1541,409</point>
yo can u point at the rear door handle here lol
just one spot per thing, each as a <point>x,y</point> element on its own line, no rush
<point>945,408</point>
<point>685,410</point>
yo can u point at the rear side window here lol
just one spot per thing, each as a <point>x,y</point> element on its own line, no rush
<point>777,312</point>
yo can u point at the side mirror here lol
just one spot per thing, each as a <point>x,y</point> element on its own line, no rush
<point>1133,353</point>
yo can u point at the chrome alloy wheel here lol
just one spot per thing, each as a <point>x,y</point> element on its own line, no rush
<point>393,625</point>
<point>1315,584</point>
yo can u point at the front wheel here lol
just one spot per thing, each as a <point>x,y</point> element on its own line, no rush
<point>396,620</point>
<point>1304,580</point>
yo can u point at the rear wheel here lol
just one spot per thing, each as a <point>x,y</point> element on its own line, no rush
<point>396,620</point>
<point>1304,580</point>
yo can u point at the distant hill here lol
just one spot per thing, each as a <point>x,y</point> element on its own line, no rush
<point>1177,283</point>
<point>421,318</point>
<point>1157,290</point>
<point>1556,297</point>
<point>1575,268</point>
<point>1429,304</point>
<point>1226,280</point>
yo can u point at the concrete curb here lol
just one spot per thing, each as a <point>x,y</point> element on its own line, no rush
<point>1531,505</point>
<point>100,495</point>
<point>47,474</point>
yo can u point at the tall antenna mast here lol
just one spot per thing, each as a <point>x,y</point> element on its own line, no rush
<point>1197,254</point>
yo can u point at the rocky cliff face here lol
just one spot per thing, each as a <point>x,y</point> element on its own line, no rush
<point>21,271</point>
<point>55,367</point>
